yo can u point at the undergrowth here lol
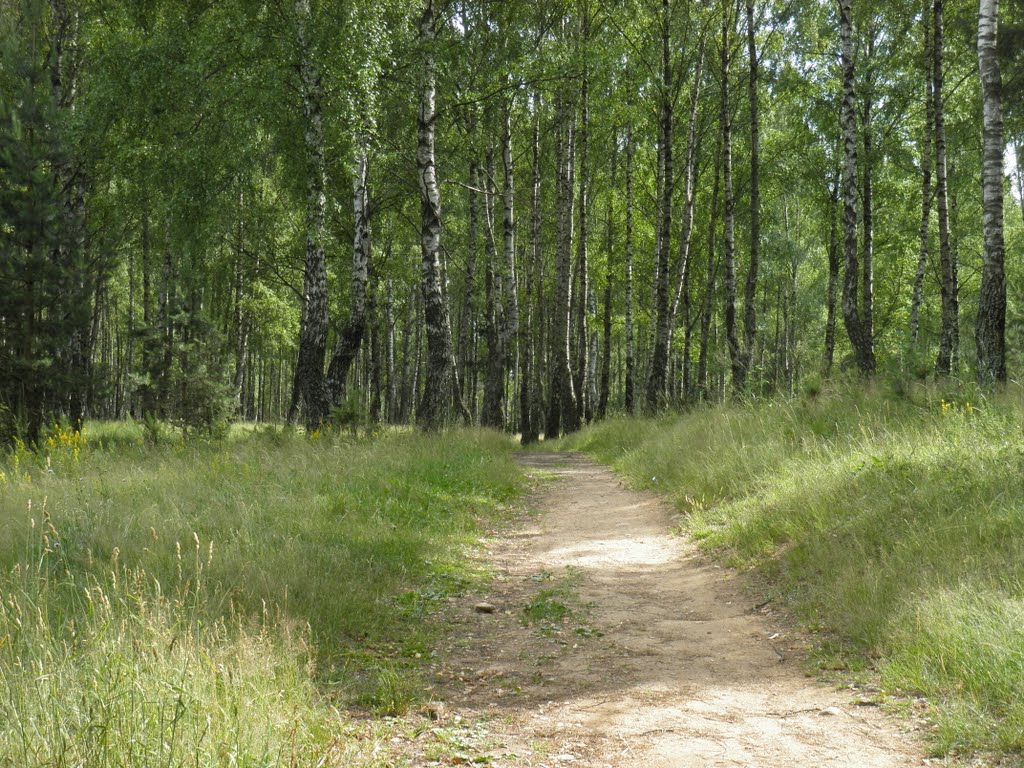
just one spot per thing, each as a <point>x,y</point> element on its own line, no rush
<point>221,604</point>
<point>892,522</point>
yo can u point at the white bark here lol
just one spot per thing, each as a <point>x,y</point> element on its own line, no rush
<point>990,329</point>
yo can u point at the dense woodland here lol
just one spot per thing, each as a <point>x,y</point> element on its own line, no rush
<point>519,214</point>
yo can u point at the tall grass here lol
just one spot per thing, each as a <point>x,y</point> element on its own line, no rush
<point>217,604</point>
<point>892,522</point>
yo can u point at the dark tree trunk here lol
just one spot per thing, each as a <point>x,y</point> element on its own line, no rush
<point>949,340</point>
<point>867,295</point>
<point>240,323</point>
<point>151,334</point>
<point>376,409</point>
<point>833,277</point>
<point>410,357</point>
<point>74,280</point>
<point>165,322</point>
<point>128,360</point>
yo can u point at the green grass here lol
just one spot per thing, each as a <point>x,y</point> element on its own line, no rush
<point>218,604</point>
<point>893,523</point>
<point>557,605</point>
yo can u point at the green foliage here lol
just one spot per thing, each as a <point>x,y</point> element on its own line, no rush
<point>10,425</point>
<point>558,603</point>
<point>392,689</point>
<point>889,523</point>
<point>42,265</point>
<point>188,601</point>
<point>350,414</point>
<point>203,402</point>
<point>547,607</point>
<point>154,431</point>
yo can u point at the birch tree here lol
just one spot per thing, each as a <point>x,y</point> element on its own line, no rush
<point>439,390</point>
<point>990,327</point>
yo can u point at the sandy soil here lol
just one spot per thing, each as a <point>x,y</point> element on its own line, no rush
<point>666,660</point>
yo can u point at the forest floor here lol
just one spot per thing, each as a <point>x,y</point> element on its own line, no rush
<point>614,642</point>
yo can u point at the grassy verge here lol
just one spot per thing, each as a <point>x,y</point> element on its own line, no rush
<point>216,604</point>
<point>893,523</point>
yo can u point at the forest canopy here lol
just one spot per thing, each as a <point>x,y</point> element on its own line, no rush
<point>523,215</point>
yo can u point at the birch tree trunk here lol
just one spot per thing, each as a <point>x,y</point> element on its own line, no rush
<point>750,288</point>
<point>736,353</point>
<point>1018,154</point>
<point>581,372</point>
<point>681,297</point>
<point>862,343</point>
<point>508,263</point>
<point>351,336</point>
<point>656,379</point>
<point>466,313</point>
<point>532,330</point>
<point>592,352</point>
<point>440,379</point>
<point>630,383</point>
<point>310,389</point>
<point>990,327</point>
<point>562,408</point>
<point>926,179</point>
<point>527,425</point>
<point>606,359</point>
<point>492,412</point>
<point>708,309</point>
<point>392,378</point>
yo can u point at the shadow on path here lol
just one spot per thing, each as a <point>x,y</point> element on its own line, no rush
<point>673,666</point>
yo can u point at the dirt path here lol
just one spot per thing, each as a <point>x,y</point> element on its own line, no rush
<point>664,661</point>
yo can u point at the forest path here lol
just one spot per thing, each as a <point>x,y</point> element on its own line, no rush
<point>663,661</point>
